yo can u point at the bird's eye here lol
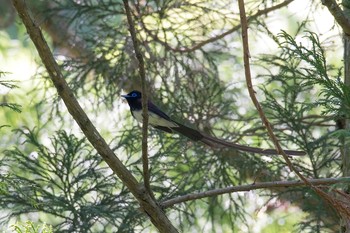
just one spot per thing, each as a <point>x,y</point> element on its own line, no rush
<point>134,95</point>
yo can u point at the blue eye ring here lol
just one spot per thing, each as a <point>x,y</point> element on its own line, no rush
<point>133,95</point>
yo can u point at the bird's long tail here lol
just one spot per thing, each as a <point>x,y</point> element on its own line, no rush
<point>219,143</point>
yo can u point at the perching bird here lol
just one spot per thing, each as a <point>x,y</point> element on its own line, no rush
<point>159,120</point>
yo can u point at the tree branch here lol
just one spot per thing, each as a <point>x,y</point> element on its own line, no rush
<point>342,19</point>
<point>142,73</point>
<point>215,38</point>
<point>157,216</point>
<point>246,55</point>
<point>249,187</point>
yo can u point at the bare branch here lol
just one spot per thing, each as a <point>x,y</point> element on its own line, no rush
<point>157,216</point>
<point>246,55</point>
<point>249,187</point>
<point>142,72</point>
<point>218,37</point>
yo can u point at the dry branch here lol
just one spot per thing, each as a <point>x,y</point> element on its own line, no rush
<point>246,55</point>
<point>249,187</point>
<point>217,37</point>
<point>142,73</point>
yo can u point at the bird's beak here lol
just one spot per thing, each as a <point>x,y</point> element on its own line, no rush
<point>125,96</point>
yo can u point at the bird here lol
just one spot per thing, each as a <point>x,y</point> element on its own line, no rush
<point>160,120</point>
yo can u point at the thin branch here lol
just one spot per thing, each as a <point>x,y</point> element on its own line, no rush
<point>342,19</point>
<point>246,55</point>
<point>215,38</point>
<point>142,72</point>
<point>249,187</point>
<point>147,203</point>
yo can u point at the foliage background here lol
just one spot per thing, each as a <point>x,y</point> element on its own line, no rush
<point>49,173</point>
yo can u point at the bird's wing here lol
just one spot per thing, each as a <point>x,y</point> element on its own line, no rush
<point>154,109</point>
<point>166,129</point>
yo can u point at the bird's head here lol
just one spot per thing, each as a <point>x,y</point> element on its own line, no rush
<point>134,95</point>
<point>134,99</point>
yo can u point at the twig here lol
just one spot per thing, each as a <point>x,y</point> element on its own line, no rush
<point>251,90</point>
<point>147,203</point>
<point>215,38</point>
<point>272,136</point>
<point>342,19</point>
<point>249,187</point>
<point>142,72</point>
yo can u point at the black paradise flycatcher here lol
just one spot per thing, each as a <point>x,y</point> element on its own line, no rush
<point>159,120</point>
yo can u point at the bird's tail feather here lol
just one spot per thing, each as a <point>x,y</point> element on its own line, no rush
<point>222,143</point>
<point>219,143</point>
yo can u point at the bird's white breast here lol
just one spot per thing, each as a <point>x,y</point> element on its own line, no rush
<point>154,119</point>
